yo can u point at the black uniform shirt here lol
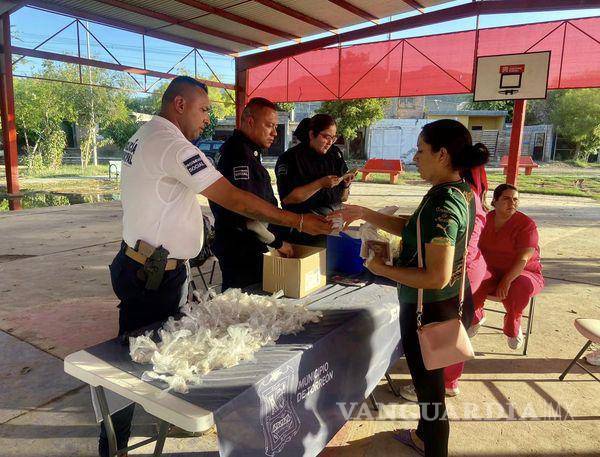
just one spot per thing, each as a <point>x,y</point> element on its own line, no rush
<point>301,165</point>
<point>240,163</point>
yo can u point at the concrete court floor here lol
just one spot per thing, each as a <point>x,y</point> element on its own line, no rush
<point>56,299</point>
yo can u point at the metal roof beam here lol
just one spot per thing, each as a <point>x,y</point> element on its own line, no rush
<point>36,53</point>
<point>435,17</point>
<point>17,6</point>
<point>355,10</point>
<point>73,12</point>
<point>238,19</point>
<point>414,4</point>
<point>296,14</point>
<point>180,22</point>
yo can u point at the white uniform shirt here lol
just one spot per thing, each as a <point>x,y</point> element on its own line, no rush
<point>161,174</point>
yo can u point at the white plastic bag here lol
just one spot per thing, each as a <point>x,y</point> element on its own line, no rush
<point>219,331</point>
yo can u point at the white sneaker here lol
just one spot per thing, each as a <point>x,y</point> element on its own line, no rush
<point>452,391</point>
<point>593,358</point>
<point>408,393</point>
<point>517,341</point>
<point>473,329</point>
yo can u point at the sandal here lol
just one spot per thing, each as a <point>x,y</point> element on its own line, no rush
<point>404,436</point>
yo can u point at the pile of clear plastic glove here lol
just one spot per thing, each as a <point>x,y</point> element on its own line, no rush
<point>219,331</point>
<point>369,233</point>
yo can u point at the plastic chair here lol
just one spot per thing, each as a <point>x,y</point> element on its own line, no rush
<point>529,317</point>
<point>590,329</point>
<point>205,255</point>
<point>199,268</point>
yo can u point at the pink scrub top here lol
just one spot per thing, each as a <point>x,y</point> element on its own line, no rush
<point>500,248</point>
<point>473,252</point>
<point>476,267</point>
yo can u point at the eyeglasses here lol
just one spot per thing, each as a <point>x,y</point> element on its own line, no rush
<point>332,138</point>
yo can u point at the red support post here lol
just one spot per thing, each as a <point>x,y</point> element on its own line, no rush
<point>7,111</point>
<point>516,139</point>
<point>241,95</point>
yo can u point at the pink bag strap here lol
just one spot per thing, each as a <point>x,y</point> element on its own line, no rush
<point>461,297</point>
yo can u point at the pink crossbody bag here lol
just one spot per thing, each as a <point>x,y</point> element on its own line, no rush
<point>443,343</point>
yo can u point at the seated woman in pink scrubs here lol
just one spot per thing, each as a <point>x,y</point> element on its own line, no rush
<point>509,245</point>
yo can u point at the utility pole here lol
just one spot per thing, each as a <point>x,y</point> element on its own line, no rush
<point>93,117</point>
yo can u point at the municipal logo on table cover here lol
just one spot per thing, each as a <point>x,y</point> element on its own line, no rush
<point>280,423</point>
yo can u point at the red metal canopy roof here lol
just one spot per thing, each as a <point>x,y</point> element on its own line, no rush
<point>429,65</point>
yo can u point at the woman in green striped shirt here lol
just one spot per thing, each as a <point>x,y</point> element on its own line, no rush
<point>447,211</point>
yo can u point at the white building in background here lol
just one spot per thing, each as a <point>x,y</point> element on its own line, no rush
<point>393,139</point>
<point>397,139</point>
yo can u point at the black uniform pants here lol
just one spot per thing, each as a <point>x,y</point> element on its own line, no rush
<point>433,426</point>
<point>139,308</point>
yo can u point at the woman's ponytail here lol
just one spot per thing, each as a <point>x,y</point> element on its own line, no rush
<point>456,139</point>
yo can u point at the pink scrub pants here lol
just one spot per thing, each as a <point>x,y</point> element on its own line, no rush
<point>525,286</point>
<point>476,272</point>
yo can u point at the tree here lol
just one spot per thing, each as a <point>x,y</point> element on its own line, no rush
<point>41,111</point>
<point>43,107</point>
<point>120,131</point>
<point>500,105</point>
<point>222,101</point>
<point>95,107</point>
<point>287,107</point>
<point>354,115</point>
<point>576,115</point>
<point>209,131</point>
<point>148,103</point>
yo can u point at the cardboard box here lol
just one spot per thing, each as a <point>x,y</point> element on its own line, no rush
<point>298,276</point>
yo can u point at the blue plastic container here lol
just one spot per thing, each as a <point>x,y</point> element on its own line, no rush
<point>343,255</point>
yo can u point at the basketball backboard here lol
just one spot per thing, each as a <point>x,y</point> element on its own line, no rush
<point>512,77</point>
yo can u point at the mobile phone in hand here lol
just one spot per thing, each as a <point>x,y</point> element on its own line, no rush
<point>351,174</point>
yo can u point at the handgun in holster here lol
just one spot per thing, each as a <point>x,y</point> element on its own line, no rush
<point>154,268</point>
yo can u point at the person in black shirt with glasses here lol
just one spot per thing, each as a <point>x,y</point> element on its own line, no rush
<point>312,177</point>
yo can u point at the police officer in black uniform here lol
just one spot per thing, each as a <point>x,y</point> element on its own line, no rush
<point>313,176</point>
<point>240,242</point>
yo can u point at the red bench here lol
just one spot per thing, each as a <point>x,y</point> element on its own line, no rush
<point>524,162</point>
<point>384,166</point>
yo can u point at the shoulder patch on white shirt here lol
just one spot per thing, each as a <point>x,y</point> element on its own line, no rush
<point>194,164</point>
<point>241,173</point>
<point>128,152</point>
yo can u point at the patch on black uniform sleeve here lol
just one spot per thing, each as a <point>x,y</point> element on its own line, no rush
<point>241,173</point>
<point>281,170</point>
<point>194,164</point>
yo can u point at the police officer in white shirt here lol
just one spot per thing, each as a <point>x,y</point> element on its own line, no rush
<point>162,220</point>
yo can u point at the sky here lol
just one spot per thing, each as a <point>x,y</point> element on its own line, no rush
<point>32,26</point>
